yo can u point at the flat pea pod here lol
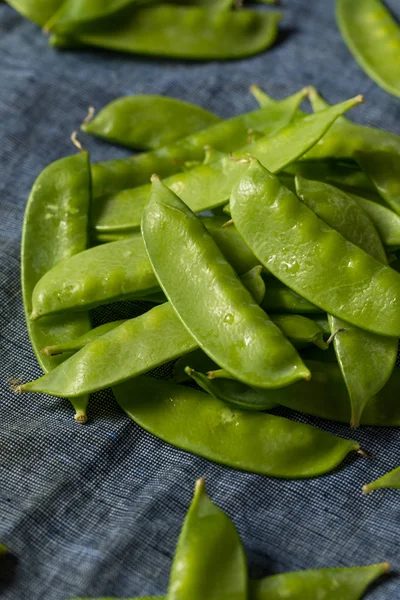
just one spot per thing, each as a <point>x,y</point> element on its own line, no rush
<point>373,37</point>
<point>55,228</point>
<point>280,298</point>
<point>322,584</point>
<point>246,440</point>
<point>366,359</point>
<point>382,167</point>
<point>385,220</point>
<point>81,341</point>
<point>112,176</point>
<point>183,32</point>
<point>312,258</point>
<point>38,12</point>
<point>209,560</point>
<point>227,323</point>
<point>300,330</point>
<point>147,122</point>
<point>209,186</point>
<point>389,480</point>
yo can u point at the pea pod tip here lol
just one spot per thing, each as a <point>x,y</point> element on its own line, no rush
<point>80,417</point>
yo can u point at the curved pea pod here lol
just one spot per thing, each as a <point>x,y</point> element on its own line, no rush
<point>322,584</point>
<point>81,341</point>
<point>123,210</point>
<point>389,480</point>
<point>209,560</point>
<point>147,122</point>
<point>198,360</point>
<point>253,281</point>
<point>372,36</point>
<point>382,167</point>
<point>55,228</point>
<point>246,440</point>
<point>280,298</point>
<point>300,330</point>
<point>38,12</point>
<point>227,323</point>
<point>313,259</point>
<point>385,220</point>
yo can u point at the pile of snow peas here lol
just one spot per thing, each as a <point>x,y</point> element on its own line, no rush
<point>210,562</point>
<point>265,253</point>
<point>185,29</point>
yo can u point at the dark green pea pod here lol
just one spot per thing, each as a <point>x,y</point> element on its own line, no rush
<point>147,122</point>
<point>322,322</point>
<point>312,258</point>
<point>389,480</point>
<point>247,440</point>
<point>322,584</point>
<point>114,175</point>
<point>55,228</point>
<point>231,391</point>
<point>366,359</point>
<point>382,167</point>
<point>198,360</point>
<point>227,323</point>
<point>124,210</point>
<point>38,12</point>
<point>192,33</point>
<point>280,298</point>
<point>209,560</point>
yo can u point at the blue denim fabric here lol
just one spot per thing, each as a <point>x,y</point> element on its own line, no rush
<point>96,510</point>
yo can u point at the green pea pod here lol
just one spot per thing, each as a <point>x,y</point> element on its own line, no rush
<point>253,281</point>
<point>251,441</point>
<point>184,32</point>
<point>114,175</point>
<point>227,323</point>
<point>300,330</point>
<point>55,228</point>
<point>198,360</point>
<point>38,12</point>
<point>147,122</point>
<point>385,220</point>
<point>313,259</point>
<point>382,167</point>
<point>321,584</point>
<point>372,36</point>
<point>389,480</point>
<point>209,560</point>
<point>366,359</point>
<point>280,298</point>
<point>74,15</point>
<point>124,210</point>
<point>231,391</point>
<point>81,341</point>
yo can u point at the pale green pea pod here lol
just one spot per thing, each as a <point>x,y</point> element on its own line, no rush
<point>389,480</point>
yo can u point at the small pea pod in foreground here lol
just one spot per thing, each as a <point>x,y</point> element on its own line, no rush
<point>372,36</point>
<point>227,323</point>
<point>313,259</point>
<point>55,228</point>
<point>209,560</point>
<point>247,440</point>
<point>389,480</point>
<point>147,122</point>
<point>38,12</point>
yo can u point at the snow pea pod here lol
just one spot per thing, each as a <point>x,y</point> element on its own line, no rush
<point>227,323</point>
<point>389,480</point>
<point>192,33</point>
<point>382,167</point>
<point>38,11</point>
<point>281,298</point>
<point>366,359</point>
<point>81,341</point>
<point>373,37</point>
<point>114,175</point>
<point>55,228</point>
<point>209,186</point>
<point>209,560</point>
<point>147,122</point>
<point>74,15</point>
<point>385,220</point>
<point>311,258</point>
<point>246,440</point>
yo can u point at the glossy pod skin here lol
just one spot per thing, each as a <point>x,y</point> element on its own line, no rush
<point>281,298</point>
<point>246,440</point>
<point>183,32</point>
<point>81,341</point>
<point>372,36</point>
<point>310,257</point>
<point>385,220</point>
<point>147,122</point>
<point>389,480</point>
<point>226,323</point>
<point>124,210</point>
<point>382,167</point>
<point>209,560</point>
<point>111,176</point>
<point>38,12</point>
<point>55,228</point>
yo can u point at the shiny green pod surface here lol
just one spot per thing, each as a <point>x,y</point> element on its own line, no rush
<point>382,167</point>
<point>389,480</point>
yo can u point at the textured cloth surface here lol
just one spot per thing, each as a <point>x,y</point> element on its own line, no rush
<point>96,510</point>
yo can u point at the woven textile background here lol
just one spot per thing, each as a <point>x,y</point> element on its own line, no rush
<point>96,510</point>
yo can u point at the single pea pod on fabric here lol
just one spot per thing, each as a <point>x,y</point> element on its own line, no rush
<point>366,359</point>
<point>38,12</point>
<point>372,36</point>
<point>209,298</point>
<point>182,32</point>
<point>55,228</point>
<point>389,480</point>
<point>111,176</point>
<point>311,258</point>
<point>246,440</point>
<point>209,560</point>
<point>147,122</point>
<point>123,210</point>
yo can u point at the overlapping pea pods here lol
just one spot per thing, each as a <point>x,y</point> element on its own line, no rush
<point>211,287</point>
